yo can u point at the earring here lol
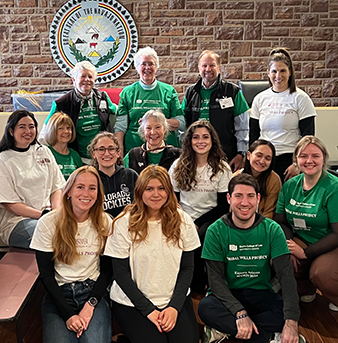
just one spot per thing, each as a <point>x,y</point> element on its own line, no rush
<point>68,197</point>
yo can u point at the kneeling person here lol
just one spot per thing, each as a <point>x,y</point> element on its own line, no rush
<point>238,249</point>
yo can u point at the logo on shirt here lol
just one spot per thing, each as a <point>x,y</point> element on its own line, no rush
<point>233,247</point>
<point>99,31</point>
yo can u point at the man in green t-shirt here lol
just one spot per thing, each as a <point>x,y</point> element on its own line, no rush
<point>238,249</point>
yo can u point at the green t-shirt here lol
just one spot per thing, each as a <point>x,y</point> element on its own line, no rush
<point>245,252</point>
<point>310,212</point>
<point>136,101</point>
<point>240,104</point>
<point>67,163</point>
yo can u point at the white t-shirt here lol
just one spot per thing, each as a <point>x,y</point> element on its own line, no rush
<point>203,197</point>
<point>279,115</point>
<point>154,263</point>
<point>87,266</point>
<point>29,178</point>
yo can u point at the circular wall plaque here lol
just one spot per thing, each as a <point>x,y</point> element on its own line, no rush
<point>101,32</point>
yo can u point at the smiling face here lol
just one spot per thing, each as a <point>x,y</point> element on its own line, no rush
<point>84,81</point>
<point>279,75</point>
<point>311,161</point>
<point>83,195</point>
<point>201,141</point>
<point>24,132</point>
<point>260,159</point>
<point>209,69</point>
<point>154,133</point>
<point>108,158</point>
<point>243,203</point>
<point>147,69</point>
<point>154,197</point>
<point>64,133</point>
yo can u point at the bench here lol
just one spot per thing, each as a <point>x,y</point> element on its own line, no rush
<point>21,294</point>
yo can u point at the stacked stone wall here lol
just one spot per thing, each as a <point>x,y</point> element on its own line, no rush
<point>242,32</point>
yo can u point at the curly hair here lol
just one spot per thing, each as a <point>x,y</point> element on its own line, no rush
<point>139,215</point>
<point>64,242</point>
<point>185,170</point>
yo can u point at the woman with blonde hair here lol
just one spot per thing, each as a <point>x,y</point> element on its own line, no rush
<point>307,212</point>
<point>200,177</point>
<point>152,249</point>
<point>60,131</point>
<point>68,244</point>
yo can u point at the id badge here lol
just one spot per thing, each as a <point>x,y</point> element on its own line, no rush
<point>226,103</point>
<point>299,223</point>
<point>103,105</point>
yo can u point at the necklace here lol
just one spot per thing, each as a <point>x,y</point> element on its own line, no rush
<point>200,171</point>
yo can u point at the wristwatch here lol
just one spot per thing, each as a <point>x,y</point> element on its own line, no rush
<point>243,153</point>
<point>92,301</point>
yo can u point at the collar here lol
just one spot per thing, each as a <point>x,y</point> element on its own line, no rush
<point>213,85</point>
<point>148,87</point>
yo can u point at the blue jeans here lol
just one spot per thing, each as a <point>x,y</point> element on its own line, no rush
<point>22,234</point>
<point>76,294</point>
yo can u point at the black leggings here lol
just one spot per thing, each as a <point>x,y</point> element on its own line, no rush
<point>282,163</point>
<point>139,329</point>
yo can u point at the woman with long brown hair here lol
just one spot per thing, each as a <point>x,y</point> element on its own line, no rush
<point>68,244</point>
<point>152,247</point>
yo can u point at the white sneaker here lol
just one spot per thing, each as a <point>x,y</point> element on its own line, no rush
<point>278,338</point>
<point>211,335</point>
<point>308,298</point>
<point>333,307</point>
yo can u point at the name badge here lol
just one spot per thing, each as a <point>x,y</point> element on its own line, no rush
<point>299,223</point>
<point>103,105</point>
<point>226,103</point>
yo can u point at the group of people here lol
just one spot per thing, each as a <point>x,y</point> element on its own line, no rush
<point>134,212</point>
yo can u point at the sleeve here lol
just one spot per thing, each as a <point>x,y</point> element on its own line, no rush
<point>46,268</point>
<point>122,113</point>
<point>254,130</point>
<point>242,130</point>
<point>307,126</point>
<point>122,275</point>
<point>126,160</point>
<point>7,189</point>
<point>171,174</point>
<point>212,248</point>
<point>189,233</point>
<point>215,213</point>
<point>56,177</point>
<point>42,134</point>
<point>113,111</point>
<point>77,159</point>
<point>305,106</point>
<point>183,281</point>
<point>273,189</point>
<point>103,281</point>
<point>219,287</point>
<point>284,271</point>
<point>121,123</point>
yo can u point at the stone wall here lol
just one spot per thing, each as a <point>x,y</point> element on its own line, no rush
<point>243,32</point>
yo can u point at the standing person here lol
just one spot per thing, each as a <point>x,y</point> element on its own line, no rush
<point>260,160</point>
<point>60,131</point>
<point>223,104</point>
<point>68,244</point>
<point>307,212</point>
<point>153,130</point>
<point>144,95</point>
<point>152,249</point>
<point>238,249</point>
<point>283,113</point>
<point>91,110</point>
<point>31,180</point>
<point>200,178</point>
<point>118,181</point>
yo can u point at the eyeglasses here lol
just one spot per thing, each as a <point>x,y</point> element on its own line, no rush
<point>101,150</point>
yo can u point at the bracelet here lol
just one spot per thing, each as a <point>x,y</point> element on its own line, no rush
<point>242,316</point>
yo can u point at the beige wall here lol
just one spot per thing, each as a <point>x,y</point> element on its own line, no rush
<point>243,32</point>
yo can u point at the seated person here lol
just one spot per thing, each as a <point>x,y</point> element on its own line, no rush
<point>238,250</point>
<point>91,110</point>
<point>200,178</point>
<point>153,129</point>
<point>68,244</point>
<point>31,180</point>
<point>60,131</point>
<point>152,249</point>
<point>307,212</point>
<point>118,181</point>
<point>259,163</point>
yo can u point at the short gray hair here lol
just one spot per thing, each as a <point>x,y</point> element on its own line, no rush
<point>83,65</point>
<point>149,52</point>
<point>158,117</point>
